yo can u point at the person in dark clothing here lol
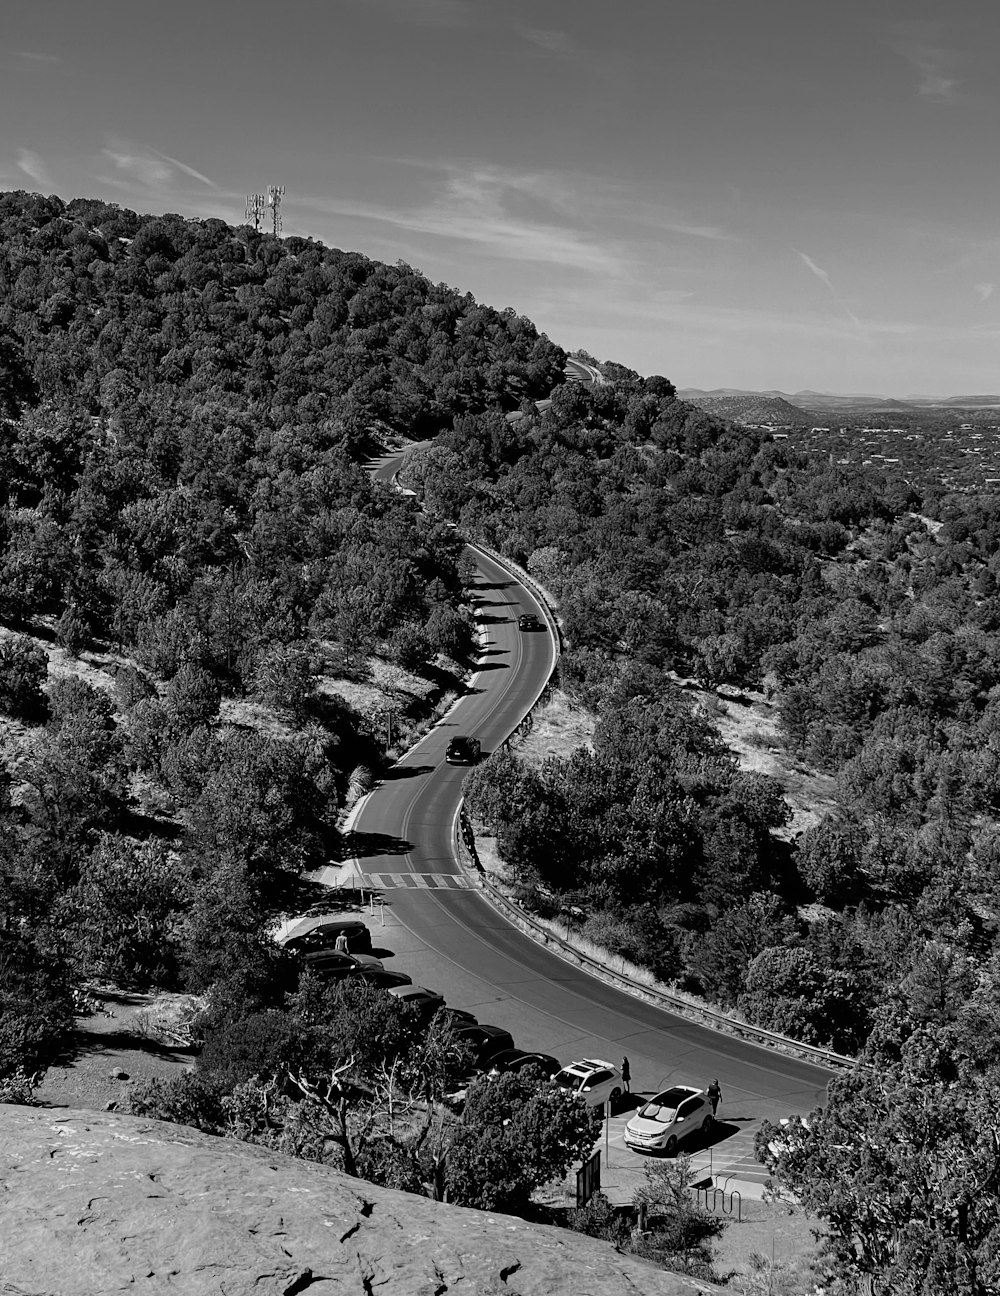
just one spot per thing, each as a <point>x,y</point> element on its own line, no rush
<point>714,1095</point>
<point>626,1074</point>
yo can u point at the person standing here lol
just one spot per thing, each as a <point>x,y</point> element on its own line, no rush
<point>626,1075</point>
<point>714,1095</point>
<point>340,944</point>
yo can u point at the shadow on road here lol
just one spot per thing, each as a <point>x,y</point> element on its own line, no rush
<point>361,845</point>
<point>405,771</point>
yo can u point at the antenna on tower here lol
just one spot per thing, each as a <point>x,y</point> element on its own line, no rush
<point>275,193</point>
<point>255,210</point>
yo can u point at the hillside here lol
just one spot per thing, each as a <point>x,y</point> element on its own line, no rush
<point>751,409</point>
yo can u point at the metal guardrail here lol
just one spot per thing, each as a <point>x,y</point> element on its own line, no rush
<point>704,1016</point>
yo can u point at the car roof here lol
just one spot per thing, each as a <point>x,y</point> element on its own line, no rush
<point>586,1067</point>
<point>675,1095</point>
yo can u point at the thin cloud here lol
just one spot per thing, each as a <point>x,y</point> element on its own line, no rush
<point>187,170</point>
<point>919,44</point>
<point>824,278</point>
<point>497,235</point>
<point>820,273</point>
<point>33,165</point>
<point>33,56</point>
<point>550,42</point>
<point>984,291</point>
<point>152,169</point>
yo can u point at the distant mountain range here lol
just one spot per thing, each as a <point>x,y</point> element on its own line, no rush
<point>802,401</point>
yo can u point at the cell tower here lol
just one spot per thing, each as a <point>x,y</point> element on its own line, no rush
<point>255,210</point>
<point>275,193</point>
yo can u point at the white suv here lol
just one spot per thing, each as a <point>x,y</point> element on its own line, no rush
<point>671,1116</point>
<point>595,1081</point>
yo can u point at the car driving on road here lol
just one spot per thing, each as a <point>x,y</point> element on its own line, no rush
<point>675,1114</point>
<point>528,621</point>
<point>595,1081</point>
<point>463,750</point>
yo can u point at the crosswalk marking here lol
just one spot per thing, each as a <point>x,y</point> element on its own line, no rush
<point>416,881</point>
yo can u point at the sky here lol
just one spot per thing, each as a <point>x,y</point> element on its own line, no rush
<point>787,194</point>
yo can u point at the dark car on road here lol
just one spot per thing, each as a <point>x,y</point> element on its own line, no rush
<point>528,621</point>
<point>324,936</point>
<point>516,1059</point>
<point>463,750</point>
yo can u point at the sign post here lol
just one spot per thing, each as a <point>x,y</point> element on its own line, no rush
<point>588,1180</point>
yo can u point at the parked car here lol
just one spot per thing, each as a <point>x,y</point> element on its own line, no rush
<point>675,1114</point>
<point>324,936</point>
<point>463,750</point>
<point>425,1001</point>
<point>485,1041</point>
<point>528,621</point>
<point>458,1017</point>
<point>383,978</point>
<point>515,1059</point>
<point>331,963</point>
<point>595,1081</point>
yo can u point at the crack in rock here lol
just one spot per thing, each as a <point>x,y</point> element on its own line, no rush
<point>506,1272</point>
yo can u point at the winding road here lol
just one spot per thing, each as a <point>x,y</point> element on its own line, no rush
<point>446,935</point>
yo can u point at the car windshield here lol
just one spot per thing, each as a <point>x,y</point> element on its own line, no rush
<point>664,1106</point>
<point>568,1080</point>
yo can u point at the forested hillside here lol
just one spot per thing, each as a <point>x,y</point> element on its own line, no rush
<point>183,408</point>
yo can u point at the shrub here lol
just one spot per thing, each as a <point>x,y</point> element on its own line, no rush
<point>24,668</point>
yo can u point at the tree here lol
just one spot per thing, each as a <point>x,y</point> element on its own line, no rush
<point>903,1168</point>
<point>516,1133</point>
<point>36,1010</point>
<point>192,697</point>
<point>788,991</point>
<point>679,1231</point>
<point>126,908</point>
<point>23,670</point>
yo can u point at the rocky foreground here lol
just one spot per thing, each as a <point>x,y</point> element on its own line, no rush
<point>94,1203</point>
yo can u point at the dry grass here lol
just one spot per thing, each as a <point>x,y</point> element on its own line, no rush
<point>747,722</point>
<point>558,728</point>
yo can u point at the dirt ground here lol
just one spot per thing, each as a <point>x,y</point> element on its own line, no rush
<point>108,1045</point>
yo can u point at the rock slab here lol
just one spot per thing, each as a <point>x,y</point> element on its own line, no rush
<point>93,1203</point>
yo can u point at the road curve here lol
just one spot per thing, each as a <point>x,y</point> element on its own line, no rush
<point>446,935</point>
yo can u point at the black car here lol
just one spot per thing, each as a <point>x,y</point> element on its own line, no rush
<point>333,965</point>
<point>528,621</point>
<point>485,1041</point>
<point>463,751</point>
<point>458,1017</point>
<point>324,936</point>
<point>382,977</point>
<point>516,1059</point>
